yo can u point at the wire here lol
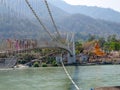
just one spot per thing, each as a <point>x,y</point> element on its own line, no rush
<point>46,3</point>
<point>33,11</point>
<point>29,5</point>
<point>77,88</point>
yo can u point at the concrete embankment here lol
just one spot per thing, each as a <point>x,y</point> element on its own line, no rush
<point>8,62</point>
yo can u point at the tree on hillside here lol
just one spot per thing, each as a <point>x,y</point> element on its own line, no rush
<point>101,41</point>
<point>111,38</point>
<point>78,47</point>
<point>91,37</point>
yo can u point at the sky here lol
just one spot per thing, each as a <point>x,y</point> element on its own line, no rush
<point>114,4</point>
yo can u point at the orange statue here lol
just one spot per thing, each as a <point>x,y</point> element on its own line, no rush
<point>97,50</point>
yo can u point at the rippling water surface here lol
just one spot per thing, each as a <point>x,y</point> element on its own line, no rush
<point>54,78</point>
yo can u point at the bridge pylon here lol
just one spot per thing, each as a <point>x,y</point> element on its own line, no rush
<point>71,58</point>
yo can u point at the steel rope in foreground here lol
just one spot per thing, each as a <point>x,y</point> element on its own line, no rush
<point>77,88</point>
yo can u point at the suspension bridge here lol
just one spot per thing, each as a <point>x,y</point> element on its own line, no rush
<point>30,11</point>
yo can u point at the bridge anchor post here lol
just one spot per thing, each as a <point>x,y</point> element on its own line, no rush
<point>58,58</point>
<point>71,59</point>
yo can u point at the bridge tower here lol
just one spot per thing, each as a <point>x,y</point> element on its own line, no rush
<point>71,58</point>
<point>25,11</point>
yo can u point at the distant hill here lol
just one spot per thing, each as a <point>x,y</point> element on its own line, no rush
<point>15,23</point>
<point>19,21</point>
<point>87,25</point>
<point>14,27</point>
<point>94,12</point>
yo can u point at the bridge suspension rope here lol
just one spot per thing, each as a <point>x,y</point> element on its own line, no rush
<point>76,86</point>
<point>48,8</point>
<point>39,20</point>
<point>33,11</point>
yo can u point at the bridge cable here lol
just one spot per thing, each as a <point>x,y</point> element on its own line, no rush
<point>49,11</point>
<point>33,11</point>
<point>76,86</point>
<point>29,5</point>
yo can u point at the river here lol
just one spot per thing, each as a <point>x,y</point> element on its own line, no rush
<point>54,78</point>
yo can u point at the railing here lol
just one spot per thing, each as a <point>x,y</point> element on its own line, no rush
<point>40,44</point>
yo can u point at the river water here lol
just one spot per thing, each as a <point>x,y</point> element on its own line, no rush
<point>54,78</point>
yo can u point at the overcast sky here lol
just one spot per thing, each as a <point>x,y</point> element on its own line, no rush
<point>114,4</point>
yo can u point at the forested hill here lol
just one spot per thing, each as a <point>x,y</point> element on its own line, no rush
<point>27,25</point>
<point>87,25</point>
<point>94,12</point>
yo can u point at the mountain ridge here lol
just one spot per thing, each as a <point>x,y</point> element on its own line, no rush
<point>85,24</point>
<point>78,23</point>
<point>92,11</point>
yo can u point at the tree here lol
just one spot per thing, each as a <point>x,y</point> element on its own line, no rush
<point>111,38</point>
<point>78,47</point>
<point>91,37</point>
<point>101,41</point>
<point>109,46</point>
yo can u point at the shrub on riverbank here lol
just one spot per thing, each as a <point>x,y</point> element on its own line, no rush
<point>25,58</point>
<point>54,63</point>
<point>36,64</point>
<point>44,65</point>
